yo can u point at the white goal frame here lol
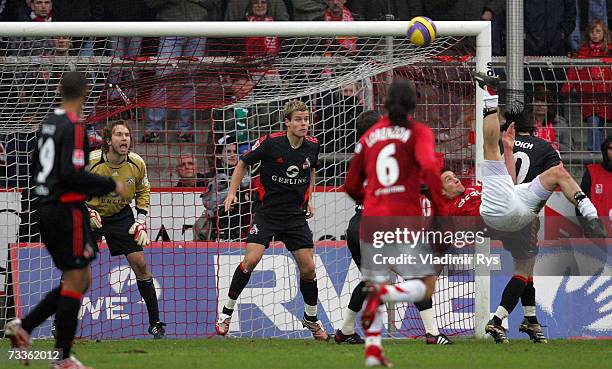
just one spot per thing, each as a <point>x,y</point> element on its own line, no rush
<point>479,29</point>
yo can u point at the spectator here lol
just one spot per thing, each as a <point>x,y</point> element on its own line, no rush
<point>495,12</point>
<point>187,169</point>
<point>172,48</point>
<point>594,84</point>
<point>79,11</point>
<point>124,47</point>
<point>215,223</point>
<point>378,9</point>
<point>237,8</point>
<point>454,10</point>
<point>308,10</point>
<point>42,11</point>
<point>242,121</point>
<point>337,12</point>
<point>549,125</point>
<point>548,25</point>
<point>258,11</point>
<point>596,183</point>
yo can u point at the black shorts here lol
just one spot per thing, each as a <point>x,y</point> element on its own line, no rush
<point>292,230</point>
<point>352,238</point>
<point>115,230</point>
<point>522,244</point>
<point>65,231</point>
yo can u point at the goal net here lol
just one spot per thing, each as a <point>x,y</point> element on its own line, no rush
<point>193,103</point>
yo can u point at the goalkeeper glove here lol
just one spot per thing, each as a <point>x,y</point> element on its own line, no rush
<point>139,230</point>
<point>95,221</point>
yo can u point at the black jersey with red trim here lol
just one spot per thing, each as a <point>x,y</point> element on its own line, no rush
<point>59,161</point>
<point>533,156</point>
<point>284,172</point>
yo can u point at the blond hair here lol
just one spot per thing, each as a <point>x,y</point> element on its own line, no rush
<point>293,106</point>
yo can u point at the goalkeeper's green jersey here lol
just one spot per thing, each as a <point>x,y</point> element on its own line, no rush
<point>132,171</point>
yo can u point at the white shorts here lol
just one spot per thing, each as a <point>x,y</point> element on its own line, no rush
<point>505,206</point>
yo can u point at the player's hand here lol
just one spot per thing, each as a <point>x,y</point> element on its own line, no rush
<point>229,201</point>
<point>95,221</point>
<point>508,137</point>
<point>310,212</point>
<point>139,230</point>
<point>121,189</point>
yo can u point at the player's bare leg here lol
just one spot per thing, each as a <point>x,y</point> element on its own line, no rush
<point>146,287</point>
<point>558,176</point>
<point>308,287</point>
<point>242,274</point>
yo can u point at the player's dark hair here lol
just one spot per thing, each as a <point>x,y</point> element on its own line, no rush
<point>400,102</point>
<point>521,122</point>
<point>365,120</point>
<point>107,133</point>
<point>72,86</point>
<point>445,169</point>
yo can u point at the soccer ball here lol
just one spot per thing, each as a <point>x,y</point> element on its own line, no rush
<point>421,31</point>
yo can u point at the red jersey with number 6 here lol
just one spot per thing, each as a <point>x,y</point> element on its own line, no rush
<point>394,160</point>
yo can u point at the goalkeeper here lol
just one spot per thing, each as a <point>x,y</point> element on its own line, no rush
<point>112,217</point>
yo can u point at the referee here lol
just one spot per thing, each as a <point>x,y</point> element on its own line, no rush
<point>112,217</point>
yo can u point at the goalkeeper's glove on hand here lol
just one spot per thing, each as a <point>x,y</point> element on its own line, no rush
<point>139,230</point>
<point>95,221</point>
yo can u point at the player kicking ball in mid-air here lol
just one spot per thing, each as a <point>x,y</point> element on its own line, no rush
<point>287,174</point>
<point>346,334</point>
<point>511,210</point>
<point>113,218</point>
<point>62,184</point>
<point>395,156</point>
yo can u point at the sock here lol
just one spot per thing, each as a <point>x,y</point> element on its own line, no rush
<point>500,314</point>
<point>310,293</point>
<point>585,206</point>
<point>373,344</point>
<point>494,168</point>
<point>348,325</point>
<point>357,297</point>
<point>239,281</point>
<point>528,302</point>
<point>407,291</point>
<point>67,319</point>
<point>538,189</point>
<point>147,291</point>
<point>355,304</point>
<point>228,308</point>
<point>428,317</point>
<point>511,295</point>
<point>44,309</point>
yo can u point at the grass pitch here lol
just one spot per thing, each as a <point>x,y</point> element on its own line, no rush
<point>296,354</point>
